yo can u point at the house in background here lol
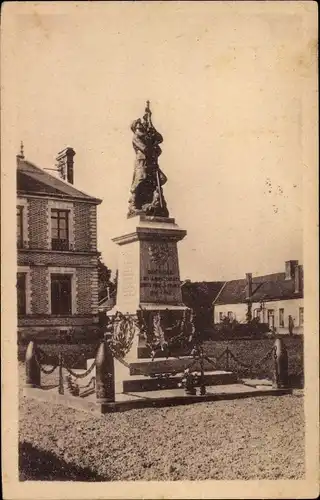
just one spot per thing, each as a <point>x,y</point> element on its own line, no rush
<point>57,279</point>
<point>277,299</point>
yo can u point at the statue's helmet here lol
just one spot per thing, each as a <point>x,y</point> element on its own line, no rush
<point>136,124</point>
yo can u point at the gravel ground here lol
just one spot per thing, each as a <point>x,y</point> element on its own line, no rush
<point>255,438</point>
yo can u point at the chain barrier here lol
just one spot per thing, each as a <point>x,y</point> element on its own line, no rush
<point>121,360</point>
<point>239,362</point>
<point>44,370</point>
<point>262,360</point>
<point>259,363</point>
<point>198,358</point>
<point>42,353</point>
<point>40,362</point>
<point>76,361</point>
<point>197,354</point>
<point>81,375</point>
<point>93,379</point>
<point>193,362</point>
<point>214,361</point>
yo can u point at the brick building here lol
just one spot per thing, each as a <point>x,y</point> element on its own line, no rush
<point>57,278</point>
<point>276,299</point>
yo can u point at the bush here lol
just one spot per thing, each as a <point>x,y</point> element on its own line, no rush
<point>232,329</point>
<point>79,335</point>
<point>74,355</point>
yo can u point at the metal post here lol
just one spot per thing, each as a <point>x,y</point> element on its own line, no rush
<point>61,387</point>
<point>202,381</point>
<point>33,374</point>
<point>280,371</point>
<point>227,359</point>
<point>105,381</point>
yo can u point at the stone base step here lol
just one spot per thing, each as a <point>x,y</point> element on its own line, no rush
<point>144,352</point>
<point>167,365</point>
<point>160,398</point>
<point>141,383</point>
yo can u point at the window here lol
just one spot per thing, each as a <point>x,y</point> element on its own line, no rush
<point>230,315</point>
<point>60,229</point>
<point>220,317</point>
<point>21,294</point>
<point>301,319</point>
<point>61,299</point>
<point>271,318</point>
<point>281,317</point>
<point>257,314</point>
<point>20,227</point>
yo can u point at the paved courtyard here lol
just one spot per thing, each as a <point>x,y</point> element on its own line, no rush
<point>254,438</point>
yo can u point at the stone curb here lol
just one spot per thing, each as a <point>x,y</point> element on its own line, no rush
<point>96,408</point>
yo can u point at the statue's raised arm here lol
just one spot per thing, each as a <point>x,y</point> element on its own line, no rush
<point>146,189</point>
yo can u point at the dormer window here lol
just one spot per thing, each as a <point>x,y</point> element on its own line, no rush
<point>59,229</point>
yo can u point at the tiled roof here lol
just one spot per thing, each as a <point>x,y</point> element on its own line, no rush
<point>32,179</point>
<point>268,287</point>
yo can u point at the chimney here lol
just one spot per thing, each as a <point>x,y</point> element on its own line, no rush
<point>298,279</point>
<point>65,164</point>
<point>290,269</point>
<point>249,285</point>
<point>21,153</point>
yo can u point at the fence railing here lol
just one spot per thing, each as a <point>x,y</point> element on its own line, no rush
<point>103,382</point>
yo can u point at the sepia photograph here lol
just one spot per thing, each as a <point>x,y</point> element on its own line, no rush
<point>159,250</point>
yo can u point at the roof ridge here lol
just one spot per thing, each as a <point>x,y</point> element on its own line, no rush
<point>267,287</point>
<point>257,277</point>
<point>49,179</point>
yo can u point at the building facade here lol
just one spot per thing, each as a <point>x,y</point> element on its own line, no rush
<point>57,276</point>
<point>275,299</point>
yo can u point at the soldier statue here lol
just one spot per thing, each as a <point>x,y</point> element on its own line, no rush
<point>146,188</point>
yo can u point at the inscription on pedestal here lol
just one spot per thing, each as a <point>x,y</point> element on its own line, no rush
<point>160,280</point>
<point>128,281</point>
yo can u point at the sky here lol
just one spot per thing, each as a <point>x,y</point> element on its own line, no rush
<point>226,85</point>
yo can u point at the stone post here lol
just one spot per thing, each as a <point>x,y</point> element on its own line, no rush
<point>61,385</point>
<point>33,374</point>
<point>105,381</point>
<point>202,380</point>
<point>280,372</point>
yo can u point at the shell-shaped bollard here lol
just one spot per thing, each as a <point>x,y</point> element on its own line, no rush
<point>280,372</point>
<point>105,382</point>
<point>33,374</point>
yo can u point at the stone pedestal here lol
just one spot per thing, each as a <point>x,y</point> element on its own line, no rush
<point>148,268</point>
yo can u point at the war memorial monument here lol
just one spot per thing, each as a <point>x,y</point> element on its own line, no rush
<point>148,266</point>
<point>152,347</point>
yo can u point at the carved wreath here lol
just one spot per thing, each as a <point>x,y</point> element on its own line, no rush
<point>159,254</point>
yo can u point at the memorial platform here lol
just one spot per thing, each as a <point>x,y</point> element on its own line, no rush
<point>158,398</point>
